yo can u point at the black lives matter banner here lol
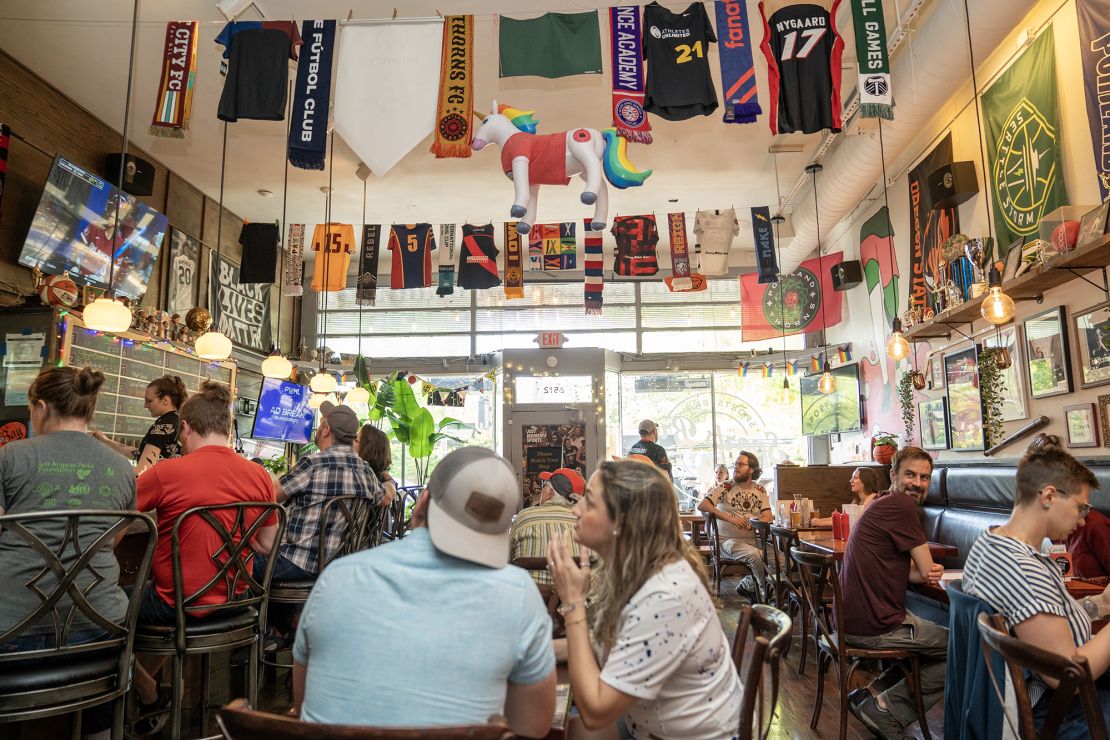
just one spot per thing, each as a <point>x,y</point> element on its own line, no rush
<point>243,309</point>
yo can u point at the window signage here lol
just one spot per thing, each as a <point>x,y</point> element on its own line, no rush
<point>553,389</point>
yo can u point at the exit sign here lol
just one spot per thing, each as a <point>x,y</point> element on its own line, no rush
<point>550,339</point>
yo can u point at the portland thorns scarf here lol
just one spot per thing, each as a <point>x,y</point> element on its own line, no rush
<point>456,89</point>
<point>737,69</point>
<point>308,129</point>
<point>594,262</point>
<point>626,54</point>
<point>366,290</point>
<point>514,263</point>
<point>292,263</point>
<point>446,258</point>
<point>875,97</point>
<point>681,280</point>
<point>175,89</point>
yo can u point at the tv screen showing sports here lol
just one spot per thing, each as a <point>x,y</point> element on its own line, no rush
<point>836,412</point>
<point>75,233</point>
<point>283,413</point>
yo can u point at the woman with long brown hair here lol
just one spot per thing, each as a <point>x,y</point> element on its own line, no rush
<point>662,665</point>
<point>372,445</point>
<point>162,399</point>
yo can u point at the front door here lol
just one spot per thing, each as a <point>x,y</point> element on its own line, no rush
<point>546,440</point>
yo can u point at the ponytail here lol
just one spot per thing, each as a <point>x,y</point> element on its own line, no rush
<point>172,386</point>
<point>67,391</point>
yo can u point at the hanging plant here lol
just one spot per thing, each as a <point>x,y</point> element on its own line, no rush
<point>905,397</point>
<point>992,361</point>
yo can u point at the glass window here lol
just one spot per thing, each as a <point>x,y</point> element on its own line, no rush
<point>760,416</point>
<point>565,318</point>
<point>429,345</point>
<point>553,389</point>
<point>617,341</point>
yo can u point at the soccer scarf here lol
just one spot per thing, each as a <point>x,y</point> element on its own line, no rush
<point>681,280</point>
<point>626,54</point>
<point>594,269</point>
<point>514,263</point>
<point>293,261</point>
<point>366,287</point>
<point>175,88</point>
<point>551,247</point>
<point>446,259</point>
<point>456,89</point>
<point>308,130</point>
<point>876,99</point>
<point>737,69</point>
<point>765,263</point>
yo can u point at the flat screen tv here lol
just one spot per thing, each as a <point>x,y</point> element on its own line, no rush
<point>71,233</point>
<point>283,413</point>
<point>835,412</point>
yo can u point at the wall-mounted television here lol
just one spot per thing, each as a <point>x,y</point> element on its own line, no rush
<point>832,413</point>
<point>72,232</point>
<point>283,413</point>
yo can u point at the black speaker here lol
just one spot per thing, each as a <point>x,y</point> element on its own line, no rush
<point>846,275</point>
<point>952,184</point>
<point>138,174</point>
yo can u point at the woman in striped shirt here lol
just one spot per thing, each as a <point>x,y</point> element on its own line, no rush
<point>1006,569</point>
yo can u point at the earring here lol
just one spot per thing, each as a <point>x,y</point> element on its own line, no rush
<point>616,532</point>
<point>1047,506</point>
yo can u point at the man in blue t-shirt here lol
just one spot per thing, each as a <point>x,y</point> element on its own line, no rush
<point>433,629</point>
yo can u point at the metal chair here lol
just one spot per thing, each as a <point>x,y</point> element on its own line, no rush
<point>1073,677</point>
<point>237,620</point>
<point>770,630</point>
<point>69,678</point>
<point>401,510</point>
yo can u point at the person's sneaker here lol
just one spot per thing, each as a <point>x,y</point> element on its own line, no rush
<point>856,697</point>
<point>747,589</point>
<point>878,720</point>
<point>151,718</point>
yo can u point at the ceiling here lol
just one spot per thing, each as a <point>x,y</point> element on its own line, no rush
<point>81,48</point>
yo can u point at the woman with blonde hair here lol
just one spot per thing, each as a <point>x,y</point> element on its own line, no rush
<point>654,655</point>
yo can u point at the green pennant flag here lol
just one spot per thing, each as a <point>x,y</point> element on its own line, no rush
<point>1024,142</point>
<point>553,45</point>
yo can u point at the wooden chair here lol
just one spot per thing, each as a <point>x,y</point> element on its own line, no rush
<point>763,543</point>
<point>770,630</point>
<point>719,564</point>
<point>789,586</point>
<point>819,574</point>
<point>238,721</point>
<point>1072,674</point>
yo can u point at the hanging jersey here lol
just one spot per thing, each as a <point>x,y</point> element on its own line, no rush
<point>478,258</point>
<point>714,232</point>
<point>330,272</point>
<point>412,246</point>
<point>636,238</point>
<point>803,51</point>
<point>676,47</point>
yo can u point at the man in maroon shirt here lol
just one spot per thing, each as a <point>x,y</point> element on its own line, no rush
<point>1089,546</point>
<point>886,551</point>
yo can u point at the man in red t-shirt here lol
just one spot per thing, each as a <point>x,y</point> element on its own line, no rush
<point>886,551</point>
<point>1089,546</point>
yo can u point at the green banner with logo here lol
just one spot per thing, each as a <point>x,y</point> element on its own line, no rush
<point>1024,142</point>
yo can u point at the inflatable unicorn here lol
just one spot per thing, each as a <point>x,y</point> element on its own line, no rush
<point>532,160</point>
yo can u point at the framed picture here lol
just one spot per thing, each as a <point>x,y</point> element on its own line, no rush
<point>1046,354</point>
<point>1012,259</point>
<point>1030,256</point>
<point>965,404</point>
<point>933,415</point>
<point>1013,380</point>
<point>1082,425</point>
<point>184,271</point>
<point>1093,225</point>
<point>935,376</point>
<point>1092,339</point>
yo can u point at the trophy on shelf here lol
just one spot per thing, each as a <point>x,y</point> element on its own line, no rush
<point>979,251</point>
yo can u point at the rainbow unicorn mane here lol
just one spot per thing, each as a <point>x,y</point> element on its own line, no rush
<point>525,120</point>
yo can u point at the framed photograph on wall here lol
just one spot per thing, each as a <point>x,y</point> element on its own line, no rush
<point>1013,380</point>
<point>1093,225</point>
<point>1092,341</point>
<point>935,375</point>
<point>1082,425</point>
<point>965,404</point>
<point>184,271</point>
<point>1046,354</point>
<point>1012,259</point>
<point>933,415</point>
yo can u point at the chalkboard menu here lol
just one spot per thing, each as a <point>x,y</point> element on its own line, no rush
<point>129,366</point>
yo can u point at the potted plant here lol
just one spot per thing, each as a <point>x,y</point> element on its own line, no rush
<point>883,447</point>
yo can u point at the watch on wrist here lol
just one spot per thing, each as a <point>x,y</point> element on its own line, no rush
<point>568,607</point>
<point>1091,607</point>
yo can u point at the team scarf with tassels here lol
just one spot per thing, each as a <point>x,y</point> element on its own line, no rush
<point>514,262</point>
<point>682,280</point>
<point>366,290</point>
<point>876,99</point>
<point>734,48</point>
<point>175,88</point>
<point>456,89</point>
<point>626,53</point>
<point>446,260</point>
<point>308,127</point>
<point>595,272</point>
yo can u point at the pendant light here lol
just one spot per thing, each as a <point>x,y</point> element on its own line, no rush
<point>214,344</point>
<point>323,381</point>
<point>276,365</point>
<point>358,394</point>
<point>827,383</point>
<point>997,308</point>
<point>106,313</point>
<point>897,347</point>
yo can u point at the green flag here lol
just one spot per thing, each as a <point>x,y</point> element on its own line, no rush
<point>553,45</point>
<point>1023,142</point>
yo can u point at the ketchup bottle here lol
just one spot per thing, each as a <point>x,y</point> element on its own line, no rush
<point>837,519</point>
<point>845,526</point>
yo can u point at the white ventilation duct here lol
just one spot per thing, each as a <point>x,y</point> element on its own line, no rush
<point>932,71</point>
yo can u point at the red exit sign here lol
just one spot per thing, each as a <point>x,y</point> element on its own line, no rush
<point>551,339</point>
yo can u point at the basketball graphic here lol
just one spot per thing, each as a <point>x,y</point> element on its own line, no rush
<point>58,290</point>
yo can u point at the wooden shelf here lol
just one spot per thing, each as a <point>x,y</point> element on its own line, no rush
<point>1094,256</point>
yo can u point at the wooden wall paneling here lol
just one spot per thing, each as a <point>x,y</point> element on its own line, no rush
<point>185,207</point>
<point>826,485</point>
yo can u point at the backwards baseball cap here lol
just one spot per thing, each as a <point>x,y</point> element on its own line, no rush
<point>473,495</point>
<point>647,426</point>
<point>341,419</point>
<point>565,481</point>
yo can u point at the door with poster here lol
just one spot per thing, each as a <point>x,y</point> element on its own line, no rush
<point>543,441</point>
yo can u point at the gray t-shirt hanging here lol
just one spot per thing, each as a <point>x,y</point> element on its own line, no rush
<point>60,470</point>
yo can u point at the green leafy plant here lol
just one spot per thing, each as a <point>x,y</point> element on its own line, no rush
<point>276,465</point>
<point>414,427</point>
<point>991,388</point>
<point>883,439</point>
<point>905,398</point>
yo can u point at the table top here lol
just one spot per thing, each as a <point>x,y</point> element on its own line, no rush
<point>1076,587</point>
<point>823,542</point>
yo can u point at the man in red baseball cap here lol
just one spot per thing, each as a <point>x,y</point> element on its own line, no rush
<point>534,526</point>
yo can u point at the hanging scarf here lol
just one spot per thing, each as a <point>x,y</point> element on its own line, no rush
<point>446,259</point>
<point>175,89</point>
<point>456,89</point>
<point>594,268</point>
<point>626,54</point>
<point>366,290</point>
<point>5,140</point>
<point>737,70</point>
<point>876,100</point>
<point>681,280</point>
<point>765,263</point>
<point>293,260</point>
<point>514,263</point>
<point>308,130</point>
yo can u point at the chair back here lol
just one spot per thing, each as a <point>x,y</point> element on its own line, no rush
<point>354,518</point>
<point>238,721</point>
<point>762,532</point>
<point>401,509</point>
<point>1072,674</point>
<point>818,573</point>
<point>786,569</point>
<point>770,630</point>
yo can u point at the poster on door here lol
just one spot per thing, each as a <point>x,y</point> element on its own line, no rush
<point>548,447</point>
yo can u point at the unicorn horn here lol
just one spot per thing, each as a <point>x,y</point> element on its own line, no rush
<point>479,116</point>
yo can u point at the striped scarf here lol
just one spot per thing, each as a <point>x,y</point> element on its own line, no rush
<point>293,260</point>
<point>594,269</point>
<point>514,263</point>
<point>175,88</point>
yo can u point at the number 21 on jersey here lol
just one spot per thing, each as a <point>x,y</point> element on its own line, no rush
<point>687,52</point>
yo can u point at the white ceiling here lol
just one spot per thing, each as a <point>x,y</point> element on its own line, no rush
<point>81,48</point>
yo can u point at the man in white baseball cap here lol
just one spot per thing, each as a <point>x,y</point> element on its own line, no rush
<point>481,634</point>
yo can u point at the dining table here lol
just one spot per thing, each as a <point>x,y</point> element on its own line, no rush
<point>823,542</point>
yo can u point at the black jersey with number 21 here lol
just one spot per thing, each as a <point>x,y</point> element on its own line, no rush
<point>676,47</point>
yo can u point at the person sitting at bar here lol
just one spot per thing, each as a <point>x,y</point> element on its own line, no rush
<point>1006,569</point>
<point>373,447</point>
<point>1089,546</point>
<point>885,552</point>
<point>162,399</point>
<point>864,484</point>
<point>665,669</point>
<point>733,503</point>
<point>534,527</point>
<point>481,642</point>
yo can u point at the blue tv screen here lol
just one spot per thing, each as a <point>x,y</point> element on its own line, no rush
<point>283,413</point>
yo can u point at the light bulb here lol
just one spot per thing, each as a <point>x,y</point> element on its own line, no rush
<point>316,399</point>
<point>213,345</point>
<point>997,308</point>
<point>323,383</point>
<point>276,366</point>
<point>827,383</point>
<point>358,394</point>
<point>107,314</point>
<point>897,348</point>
